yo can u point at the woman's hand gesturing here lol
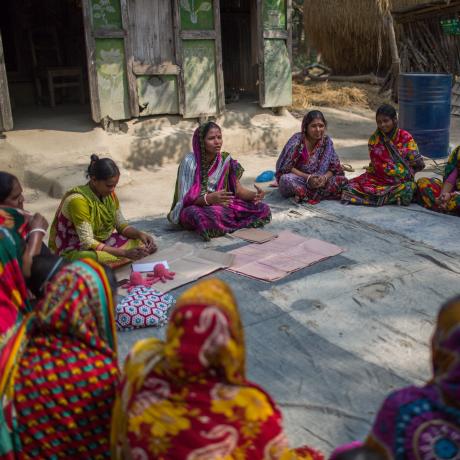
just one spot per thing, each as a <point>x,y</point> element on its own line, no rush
<point>221,197</point>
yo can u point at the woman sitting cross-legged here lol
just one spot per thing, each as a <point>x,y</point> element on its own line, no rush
<point>209,197</point>
<point>394,160</point>
<point>442,196</point>
<point>188,397</point>
<point>59,370</point>
<point>89,222</point>
<point>308,168</point>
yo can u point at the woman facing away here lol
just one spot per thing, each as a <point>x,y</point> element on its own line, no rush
<point>209,197</point>
<point>188,397</point>
<point>89,222</point>
<point>423,423</point>
<point>59,372</point>
<point>308,167</point>
<point>394,160</point>
<point>442,196</point>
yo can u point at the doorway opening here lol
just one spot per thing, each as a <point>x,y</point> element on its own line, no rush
<point>45,60</point>
<point>239,49</point>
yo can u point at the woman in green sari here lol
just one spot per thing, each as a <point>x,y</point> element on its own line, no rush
<point>89,222</point>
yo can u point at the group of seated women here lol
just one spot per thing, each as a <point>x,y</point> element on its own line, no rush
<point>61,391</point>
<point>187,397</point>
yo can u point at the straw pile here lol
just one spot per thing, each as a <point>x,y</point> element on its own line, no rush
<point>351,34</point>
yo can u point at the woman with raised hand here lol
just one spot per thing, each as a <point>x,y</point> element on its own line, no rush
<point>394,160</point>
<point>89,221</point>
<point>308,167</point>
<point>209,197</point>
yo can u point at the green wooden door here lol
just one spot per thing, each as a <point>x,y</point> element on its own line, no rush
<point>6,117</point>
<point>112,82</point>
<point>275,43</point>
<point>199,55</point>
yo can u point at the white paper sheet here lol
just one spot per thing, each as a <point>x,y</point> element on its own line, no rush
<point>148,266</point>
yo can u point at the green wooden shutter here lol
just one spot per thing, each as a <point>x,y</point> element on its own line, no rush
<point>275,42</point>
<point>199,54</point>
<point>112,83</point>
<point>6,117</point>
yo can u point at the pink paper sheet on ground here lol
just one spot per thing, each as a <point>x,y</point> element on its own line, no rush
<point>254,235</point>
<point>278,258</point>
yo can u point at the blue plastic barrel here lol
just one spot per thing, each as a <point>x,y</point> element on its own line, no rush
<point>424,111</point>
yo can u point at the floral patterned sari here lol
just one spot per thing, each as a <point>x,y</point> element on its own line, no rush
<point>389,179</point>
<point>188,397</point>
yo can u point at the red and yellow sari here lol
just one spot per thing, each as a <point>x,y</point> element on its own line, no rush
<point>188,397</point>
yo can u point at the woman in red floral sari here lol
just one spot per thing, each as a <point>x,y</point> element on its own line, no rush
<point>188,397</point>
<point>395,159</point>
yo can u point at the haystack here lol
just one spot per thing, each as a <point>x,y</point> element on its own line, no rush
<point>351,35</point>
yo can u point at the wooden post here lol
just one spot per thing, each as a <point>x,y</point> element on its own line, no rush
<point>6,116</point>
<point>178,55</point>
<point>129,59</point>
<point>91,62</point>
<point>218,58</point>
<point>395,61</point>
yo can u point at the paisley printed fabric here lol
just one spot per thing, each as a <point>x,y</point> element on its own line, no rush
<point>58,371</point>
<point>389,179</point>
<point>424,423</point>
<point>188,397</point>
<point>143,307</point>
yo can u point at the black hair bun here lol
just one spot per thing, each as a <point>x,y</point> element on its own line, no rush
<point>94,157</point>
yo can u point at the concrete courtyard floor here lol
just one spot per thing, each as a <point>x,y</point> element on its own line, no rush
<point>328,342</point>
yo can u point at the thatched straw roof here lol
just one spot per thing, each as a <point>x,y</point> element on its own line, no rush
<point>351,34</point>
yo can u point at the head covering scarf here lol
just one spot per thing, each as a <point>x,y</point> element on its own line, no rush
<point>322,159</point>
<point>192,183</point>
<point>424,423</point>
<point>188,397</point>
<point>61,362</point>
<point>13,291</point>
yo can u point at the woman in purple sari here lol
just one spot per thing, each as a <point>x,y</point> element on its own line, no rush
<point>209,197</point>
<point>308,167</point>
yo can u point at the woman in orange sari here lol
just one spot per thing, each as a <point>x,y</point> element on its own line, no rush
<point>188,397</point>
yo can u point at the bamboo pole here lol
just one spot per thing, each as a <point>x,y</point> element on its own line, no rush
<point>395,61</point>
